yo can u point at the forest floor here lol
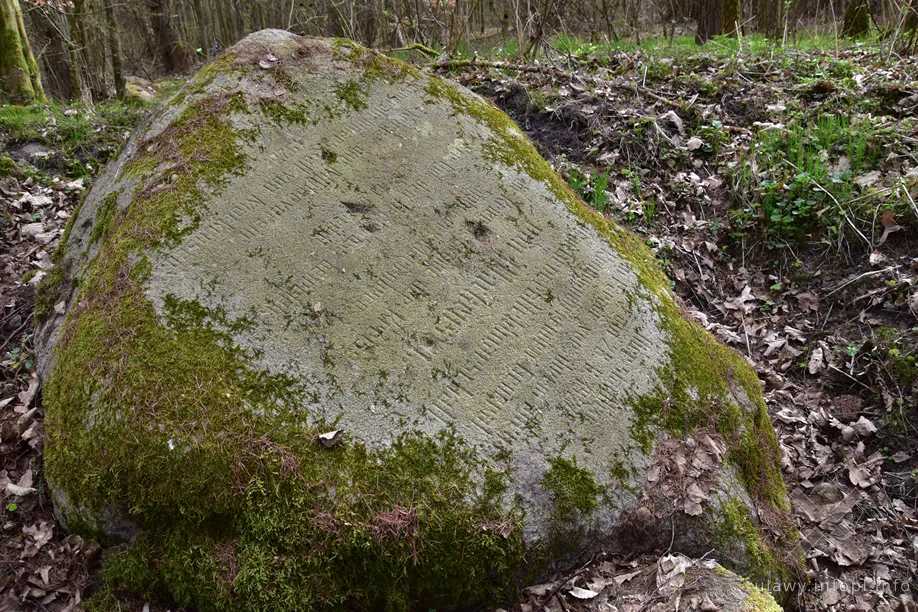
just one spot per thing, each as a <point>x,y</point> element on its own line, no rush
<point>778,190</point>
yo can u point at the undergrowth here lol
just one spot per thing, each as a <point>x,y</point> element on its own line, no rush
<point>79,139</point>
<point>798,183</point>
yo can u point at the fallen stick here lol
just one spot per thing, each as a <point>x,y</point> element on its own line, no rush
<point>556,73</point>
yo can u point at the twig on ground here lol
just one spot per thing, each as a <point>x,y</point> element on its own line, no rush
<point>561,584</point>
<point>556,73</point>
<point>840,371</point>
<point>859,277</point>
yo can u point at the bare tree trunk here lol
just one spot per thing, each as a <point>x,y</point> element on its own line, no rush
<point>732,16</point>
<point>608,13</point>
<point>204,40</point>
<point>49,27</point>
<point>114,45</point>
<point>856,22</point>
<point>19,78</point>
<point>769,16</point>
<point>77,45</point>
<point>710,20</point>
<point>170,50</point>
<point>536,39</point>
<point>633,12</point>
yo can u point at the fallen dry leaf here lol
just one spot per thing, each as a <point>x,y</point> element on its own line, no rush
<point>40,535</point>
<point>23,487</point>
<point>330,438</point>
<point>580,593</point>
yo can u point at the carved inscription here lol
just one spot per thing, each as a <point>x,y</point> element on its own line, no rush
<point>383,251</point>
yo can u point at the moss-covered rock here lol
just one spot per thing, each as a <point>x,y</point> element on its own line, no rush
<point>336,334</point>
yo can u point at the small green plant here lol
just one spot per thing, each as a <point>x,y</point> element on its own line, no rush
<point>804,183</point>
<point>11,507</point>
<point>714,136</point>
<point>573,46</point>
<point>22,356</point>
<point>891,364</point>
<point>7,165</point>
<point>649,208</point>
<point>591,187</point>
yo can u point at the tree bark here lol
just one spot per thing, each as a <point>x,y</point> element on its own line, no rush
<point>114,45</point>
<point>202,27</point>
<point>82,87</point>
<point>19,78</point>
<point>710,20</point>
<point>732,16</point>
<point>48,27</point>
<point>769,17</point>
<point>856,22</point>
<point>170,50</point>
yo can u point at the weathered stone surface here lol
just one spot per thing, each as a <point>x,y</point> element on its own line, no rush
<point>311,237</point>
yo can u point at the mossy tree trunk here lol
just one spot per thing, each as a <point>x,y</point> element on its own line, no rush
<point>19,78</point>
<point>857,19</point>
<point>47,27</point>
<point>769,14</point>
<point>114,45</point>
<point>710,20</point>
<point>732,16</point>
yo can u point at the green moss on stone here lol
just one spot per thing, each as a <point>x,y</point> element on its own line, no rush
<point>50,291</point>
<point>376,67</point>
<point>734,524</point>
<point>352,95</point>
<point>285,80</point>
<point>329,156</point>
<point>574,491</point>
<point>276,552</point>
<point>225,64</point>
<point>283,113</point>
<point>104,216</point>
<point>758,600</point>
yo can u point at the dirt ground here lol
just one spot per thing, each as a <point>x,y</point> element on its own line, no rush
<point>828,319</point>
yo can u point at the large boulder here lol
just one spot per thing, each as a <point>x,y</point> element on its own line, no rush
<point>330,331</point>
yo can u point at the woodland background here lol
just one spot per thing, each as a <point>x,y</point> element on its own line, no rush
<point>84,48</point>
